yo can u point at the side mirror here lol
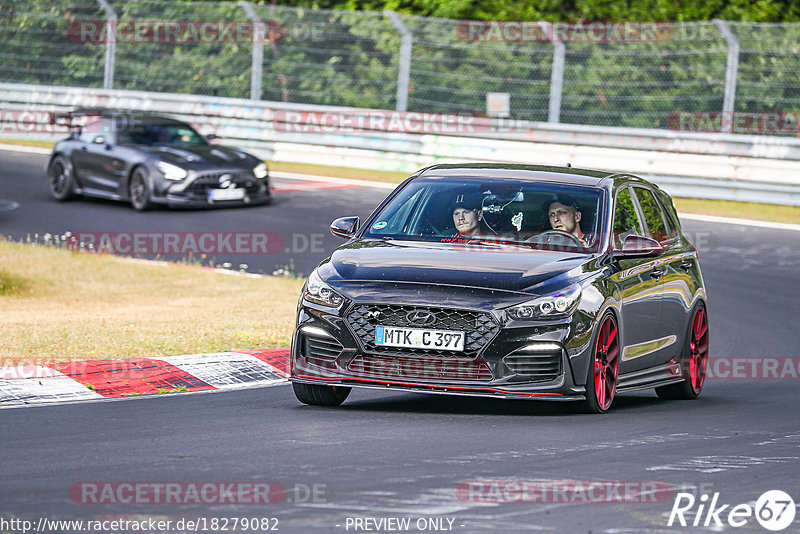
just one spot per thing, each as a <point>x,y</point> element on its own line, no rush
<point>211,137</point>
<point>345,226</point>
<point>637,246</point>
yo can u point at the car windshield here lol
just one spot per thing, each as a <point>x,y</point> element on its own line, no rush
<point>153,134</point>
<point>493,212</point>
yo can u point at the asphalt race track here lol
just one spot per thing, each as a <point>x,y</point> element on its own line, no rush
<point>397,455</point>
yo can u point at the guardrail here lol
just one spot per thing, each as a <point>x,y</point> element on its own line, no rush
<point>719,166</point>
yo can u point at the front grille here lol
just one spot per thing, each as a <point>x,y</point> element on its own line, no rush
<point>420,368</point>
<point>479,327</point>
<point>535,365</point>
<point>204,182</point>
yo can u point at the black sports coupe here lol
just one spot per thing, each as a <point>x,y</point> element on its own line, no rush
<point>512,281</point>
<point>149,159</point>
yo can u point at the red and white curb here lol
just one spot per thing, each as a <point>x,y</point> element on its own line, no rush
<point>101,379</point>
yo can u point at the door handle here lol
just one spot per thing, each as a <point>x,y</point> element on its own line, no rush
<point>84,148</point>
<point>656,273</point>
<point>686,264</point>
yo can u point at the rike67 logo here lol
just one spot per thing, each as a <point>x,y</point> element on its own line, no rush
<point>774,510</point>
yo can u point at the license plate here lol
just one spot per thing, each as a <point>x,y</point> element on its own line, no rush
<point>419,338</point>
<point>226,194</point>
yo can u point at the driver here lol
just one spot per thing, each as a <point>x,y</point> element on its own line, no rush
<point>467,215</point>
<point>564,214</point>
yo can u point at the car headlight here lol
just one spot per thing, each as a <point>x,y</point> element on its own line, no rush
<point>321,293</point>
<point>172,172</point>
<point>260,170</point>
<point>554,306</point>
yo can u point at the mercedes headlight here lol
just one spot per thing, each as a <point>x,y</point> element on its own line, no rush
<point>172,172</point>
<point>319,292</point>
<point>260,170</point>
<point>554,306</point>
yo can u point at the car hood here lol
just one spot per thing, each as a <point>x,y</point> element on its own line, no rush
<point>499,268</point>
<point>196,156</point>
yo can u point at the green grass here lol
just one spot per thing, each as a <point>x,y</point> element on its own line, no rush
<point>12,283</point>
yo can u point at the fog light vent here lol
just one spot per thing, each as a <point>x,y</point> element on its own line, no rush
<point>327,349</point>
<point>541,362</point>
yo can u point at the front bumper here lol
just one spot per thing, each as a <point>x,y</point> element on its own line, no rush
<point>194,191</point>
<point>521,360</point>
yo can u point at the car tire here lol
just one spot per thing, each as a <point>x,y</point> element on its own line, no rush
<point>139,190</point>
<point>601,382</point>
<point>320,395</point>
<point>59,179</point>
<point>694,360</point>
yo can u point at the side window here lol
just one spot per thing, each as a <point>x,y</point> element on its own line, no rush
<point>92,129</point>
<point>626,222</point>
<point>669,214</point>
<point>652,214</point>
<point>399,221</point>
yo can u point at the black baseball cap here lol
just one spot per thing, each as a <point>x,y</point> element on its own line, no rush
<point>470,201</point>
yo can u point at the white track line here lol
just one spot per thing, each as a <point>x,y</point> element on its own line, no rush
<point>35,384</point>
<point>331,179</point>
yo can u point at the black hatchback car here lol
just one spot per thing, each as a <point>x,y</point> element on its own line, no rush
<point>148,159</point>
<point>510,281</point>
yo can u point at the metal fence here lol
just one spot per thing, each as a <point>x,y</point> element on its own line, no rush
<point>391,61</point>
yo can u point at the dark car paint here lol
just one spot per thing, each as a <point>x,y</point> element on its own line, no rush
<point>428,274</point>
<point>104,169</point>
<point>518,269</point>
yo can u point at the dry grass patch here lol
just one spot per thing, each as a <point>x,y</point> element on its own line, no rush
<point>61,306</point>
<point>741,210</point>
<point>25,142</point>
<point>392,177</point>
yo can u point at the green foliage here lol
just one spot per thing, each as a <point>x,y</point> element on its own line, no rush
<point>344,57</point>
<point>573,10</point>
<point>625,219</point>
<point>652,214</point>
